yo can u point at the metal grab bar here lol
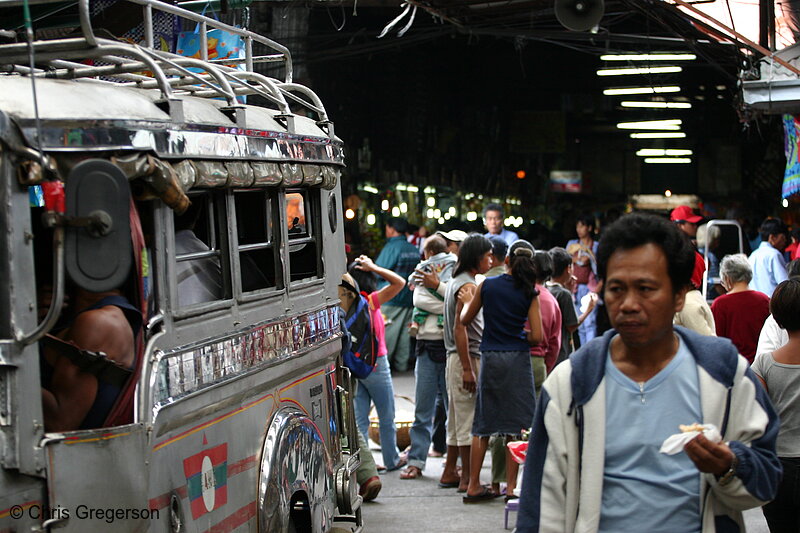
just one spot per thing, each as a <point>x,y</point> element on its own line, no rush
<point>202,19</point>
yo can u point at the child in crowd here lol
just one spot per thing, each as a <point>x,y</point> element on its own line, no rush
<point>561,285</point>
<point>430,302</point>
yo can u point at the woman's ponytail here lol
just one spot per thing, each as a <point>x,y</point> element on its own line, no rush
<point>523,268</point>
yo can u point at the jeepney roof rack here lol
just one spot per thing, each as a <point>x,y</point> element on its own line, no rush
<point>145,66</point>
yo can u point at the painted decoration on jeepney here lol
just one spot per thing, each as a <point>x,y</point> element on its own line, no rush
<point>791,176</point>
<point>207,479</point>
<point>189,369</point>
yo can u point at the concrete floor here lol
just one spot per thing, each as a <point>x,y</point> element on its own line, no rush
<point>405,506</point>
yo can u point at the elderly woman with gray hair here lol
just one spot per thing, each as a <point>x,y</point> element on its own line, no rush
<point>740,314</point>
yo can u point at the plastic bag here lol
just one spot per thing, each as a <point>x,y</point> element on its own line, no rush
<point>519,450</point>
<point>675,443</point>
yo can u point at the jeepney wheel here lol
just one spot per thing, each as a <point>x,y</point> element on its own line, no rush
<point>296,479</point>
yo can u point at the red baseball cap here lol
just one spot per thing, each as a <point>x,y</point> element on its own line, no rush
<point>684,212</point>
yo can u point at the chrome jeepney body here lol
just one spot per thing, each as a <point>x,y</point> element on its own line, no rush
<point>242,414</point>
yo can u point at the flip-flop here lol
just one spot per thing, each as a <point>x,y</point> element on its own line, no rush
<point>485,496</point>
<point>411,472</point>
<point>449,484</point>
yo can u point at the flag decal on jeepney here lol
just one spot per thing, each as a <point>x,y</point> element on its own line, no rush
<point>207,479</point>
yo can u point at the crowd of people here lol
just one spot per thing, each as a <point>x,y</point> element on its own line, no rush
<point>601,349</point>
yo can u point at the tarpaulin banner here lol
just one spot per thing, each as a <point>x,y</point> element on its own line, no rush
<point>791,176</point>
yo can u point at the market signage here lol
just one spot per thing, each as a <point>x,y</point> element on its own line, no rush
<point>566,181</point>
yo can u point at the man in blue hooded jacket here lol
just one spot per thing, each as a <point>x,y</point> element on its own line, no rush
<point>594,460</point>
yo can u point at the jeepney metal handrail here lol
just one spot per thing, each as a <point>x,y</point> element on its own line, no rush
<point>54,311</point>
<point>177,63</point>
<point>208,21</point>
<point>89,40</point>
<point>54,51</point>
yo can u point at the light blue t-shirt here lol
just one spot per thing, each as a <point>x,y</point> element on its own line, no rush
<point>644,490</point>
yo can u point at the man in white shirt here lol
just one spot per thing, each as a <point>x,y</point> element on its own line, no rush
<point>769,266</point>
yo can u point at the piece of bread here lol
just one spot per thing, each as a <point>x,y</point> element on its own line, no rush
<point>691,427</point>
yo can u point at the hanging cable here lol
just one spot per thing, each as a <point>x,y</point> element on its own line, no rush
<point>26,9</point>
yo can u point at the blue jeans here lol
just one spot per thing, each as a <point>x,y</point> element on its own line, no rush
<point>430,381</point>
<point>378,388</point>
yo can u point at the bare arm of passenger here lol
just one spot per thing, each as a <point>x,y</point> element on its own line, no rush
<point>396,282</point>
<point>72,392</point>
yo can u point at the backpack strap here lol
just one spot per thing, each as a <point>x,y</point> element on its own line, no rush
<point>96,363</point>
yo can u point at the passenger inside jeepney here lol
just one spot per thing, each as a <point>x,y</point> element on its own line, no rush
<point>89,356</point>
<point>80,387</point>
<point>199,279</point>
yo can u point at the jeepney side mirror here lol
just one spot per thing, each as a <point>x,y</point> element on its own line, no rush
<point>98,248</point>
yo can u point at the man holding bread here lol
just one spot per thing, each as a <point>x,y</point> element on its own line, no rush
<point>594,460</point>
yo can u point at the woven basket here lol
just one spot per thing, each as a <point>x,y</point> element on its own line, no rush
<point>403,420</point>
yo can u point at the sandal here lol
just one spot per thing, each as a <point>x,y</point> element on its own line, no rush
<point>484,496</point>
<point>411,472</point>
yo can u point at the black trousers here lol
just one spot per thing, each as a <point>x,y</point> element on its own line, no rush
<point>783,513</point>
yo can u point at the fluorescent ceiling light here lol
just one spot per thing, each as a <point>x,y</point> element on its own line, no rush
<point>668,160</point>
<point>671,124</point>
<point>642,90</point>
<point>658,105</point>
<point>660,135</point>
<point>659,152</point>
<point>642,70</point>
<point>648,57</point>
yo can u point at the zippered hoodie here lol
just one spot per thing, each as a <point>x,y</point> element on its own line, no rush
<point>563,481</point>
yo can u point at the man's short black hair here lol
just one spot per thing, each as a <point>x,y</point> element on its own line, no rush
<point>493,207</point>
<point>561,260</point>
<point>793,268</point>
<point>544,265</point>
<point>772,226</point>
<point>784,304</point>
<point>587,219</point>
<point>499,247</point>
<point>399,224</point>
<point>634,230</point>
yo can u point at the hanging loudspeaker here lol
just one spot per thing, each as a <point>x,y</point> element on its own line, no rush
<point>579,15</point>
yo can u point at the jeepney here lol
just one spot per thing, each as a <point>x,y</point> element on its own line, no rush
<point>238,410</point>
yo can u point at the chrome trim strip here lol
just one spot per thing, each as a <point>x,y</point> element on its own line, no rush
<point>188,369</point>
<point>191,141</point>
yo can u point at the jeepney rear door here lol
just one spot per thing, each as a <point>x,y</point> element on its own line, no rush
<point>97,481</point>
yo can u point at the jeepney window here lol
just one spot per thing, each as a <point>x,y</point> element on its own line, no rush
<point>198,252</point>
<point>302,215</point>
<point>258,260</point>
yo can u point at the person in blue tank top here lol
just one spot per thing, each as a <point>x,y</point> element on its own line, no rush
<point>100,322</point>
<point>506,399</point>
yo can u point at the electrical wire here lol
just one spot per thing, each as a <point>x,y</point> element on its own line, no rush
<point>26,9</point>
